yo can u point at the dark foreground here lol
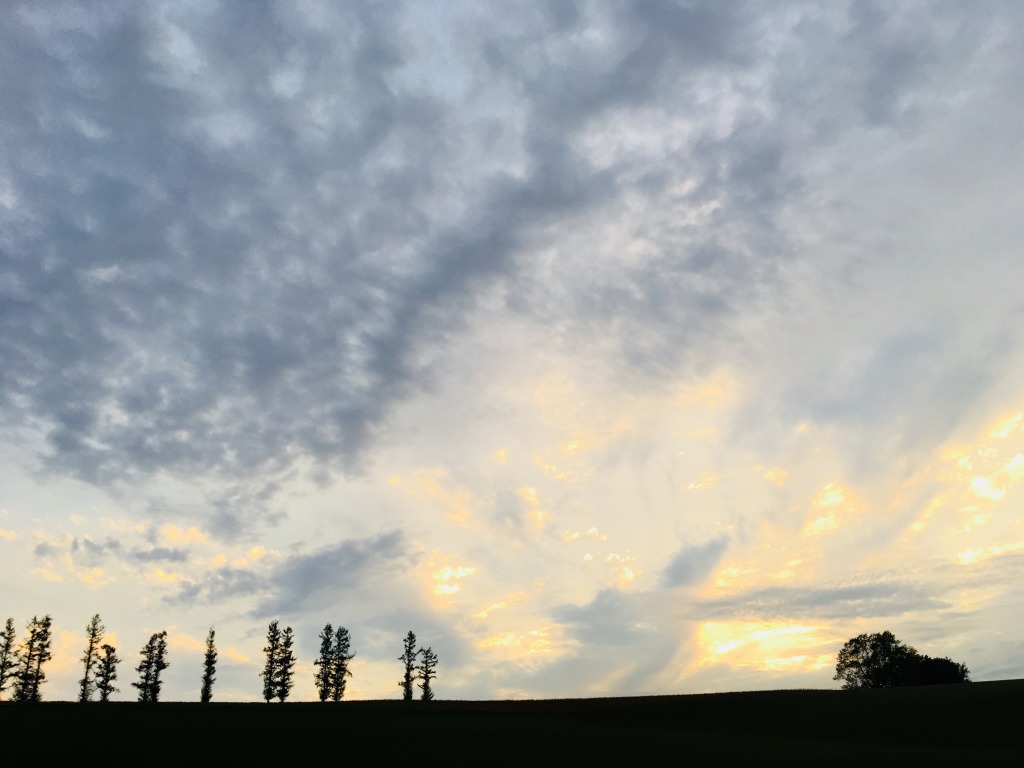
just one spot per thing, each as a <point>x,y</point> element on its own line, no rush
<point>973,724</point>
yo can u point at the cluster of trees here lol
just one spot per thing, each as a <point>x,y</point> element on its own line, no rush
<point>882,661</point>
<point>21,667</point>
<point>426,670</point>
<point>280,666</point>
<point>332,665</point>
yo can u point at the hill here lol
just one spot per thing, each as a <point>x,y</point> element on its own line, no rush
<point>972,724</point>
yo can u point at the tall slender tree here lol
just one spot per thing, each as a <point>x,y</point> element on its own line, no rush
<point>106,672</point>
<point>8,656</point>
<point>34,652</point>
<point>408,659</point>
<point>285,673</point>
<point>209,667</point>
<point>340,658</point>
<point>93,640</point>
<point>154,661</point>
<point>273,651</point>
<point>325,663</point>
<point>427,670</point>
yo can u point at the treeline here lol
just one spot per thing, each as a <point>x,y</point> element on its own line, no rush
<point>21,665</point>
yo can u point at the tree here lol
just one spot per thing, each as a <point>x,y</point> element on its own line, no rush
<point>93,639</point>
<point>427,671</point>
<point>340,657</point>
<point>882,661</point>
<point>333,663</point>
<point>325,663</point>
<point>34,652</point>
<point>273,651</point>
<point>8,656</point>
<point>106,672</point>
<point>154,661</point>
<point>209,667</point>
<point>285,666</point>
<point>408,658</point>
<point>278,672</point>
<point>940,672</point>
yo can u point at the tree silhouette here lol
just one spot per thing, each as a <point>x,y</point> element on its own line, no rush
<point>8,656</point>
<point>325,663</point>
<point>285,666</point>
<point>154,661</point>
<point>278,672</point>
<point>34,652</point>
<point>340,657</point>
<point>408,658</point>
<point>882,661</point>
<point>427,672</point>
<point>940,672</point>
<point>273,651</point>
<point>209,667</point>
<point>333,662</point>
<point>106,672</point>
<point>93,639</point>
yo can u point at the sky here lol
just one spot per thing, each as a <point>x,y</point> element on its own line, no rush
<point>611,348</point>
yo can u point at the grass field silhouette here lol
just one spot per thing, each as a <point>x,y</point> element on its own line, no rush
<point>972,724</point>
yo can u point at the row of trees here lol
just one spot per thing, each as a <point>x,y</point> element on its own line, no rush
<point>333,664</point>
<point>881,661</point>
<point>21,667</point>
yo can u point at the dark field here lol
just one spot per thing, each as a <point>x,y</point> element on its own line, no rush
<point>963,725</point>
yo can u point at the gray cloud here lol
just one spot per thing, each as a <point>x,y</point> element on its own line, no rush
<point>877,599</point>
<point>690,566</point>
<point>235,239</point>
<point>629,635</point>
<point>220,585</point>
<point>159,554</point>
<point>302,582</point>
<point>305,582</point>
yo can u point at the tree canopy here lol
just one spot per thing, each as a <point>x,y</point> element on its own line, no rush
<point>881,661</point>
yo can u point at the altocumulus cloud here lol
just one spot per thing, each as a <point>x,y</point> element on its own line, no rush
<point>233,236</point>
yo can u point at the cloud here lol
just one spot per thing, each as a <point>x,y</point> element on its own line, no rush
<point>220,585</point>
<point>219,263</point>
<point>255,260</point>
<point>159,554</point>
<point>304,582</point>
<point>878,599</point>
<point>690,566</point>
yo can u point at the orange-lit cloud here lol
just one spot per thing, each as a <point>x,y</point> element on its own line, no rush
<point>543,643</point>
<point>175,535</point>
<point>766,646</point>
<point>437,486</point>
<point>537,516</point>
<point>590,533</point>
<point>443,575</point>
<point>503,604</point>
<point>705,481</point>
